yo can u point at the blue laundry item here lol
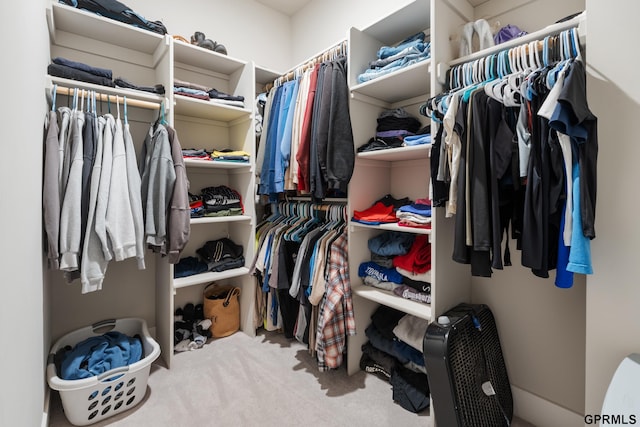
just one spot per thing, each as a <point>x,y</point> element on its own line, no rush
<point>417,139</point>
<point>417,208</point>
<point>100,354</point>
<point>362,221</point>
<point>380,273</point>
<point>189,266</point>
<point>180,89</point>
<point>580,252</point>
<point>387,51</point>
<point>396,348</point>
<point>391,243</point>
<point>403,62</point>
<point>564,278</point>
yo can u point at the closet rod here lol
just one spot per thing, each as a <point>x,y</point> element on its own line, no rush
<point>336,49</point>
<point>579,22</point>
<point>111,98</point>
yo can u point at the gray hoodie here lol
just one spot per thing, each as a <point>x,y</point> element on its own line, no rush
<point>158,178</point>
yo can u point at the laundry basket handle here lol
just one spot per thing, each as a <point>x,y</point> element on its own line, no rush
<point>104,324</point>
<point>113,372</point>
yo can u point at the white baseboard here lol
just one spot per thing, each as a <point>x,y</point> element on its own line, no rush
<point>46,407</point>
<point>541,412</point>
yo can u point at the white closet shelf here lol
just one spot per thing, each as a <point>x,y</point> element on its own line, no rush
<point>61,17</point>
<point>399,85</point>
<point>220,219</point>
<point>218,164</point>
<point>390,227</point>
<point>389,299</point>
<point>209,110</point>
<point>266,75</point>
<point>414,152</point>
<point>121,92</point>
<point>206,59</point>
<point>200,279</point>
<point>577,21</point>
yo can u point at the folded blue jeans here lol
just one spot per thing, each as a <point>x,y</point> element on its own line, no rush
<point>386,51</point>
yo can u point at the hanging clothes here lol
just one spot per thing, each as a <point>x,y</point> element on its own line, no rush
<point>307,142</point>
<point>158,178</point>
<point>515,146</point>
<point>94,208</point>
<point>301,260</point>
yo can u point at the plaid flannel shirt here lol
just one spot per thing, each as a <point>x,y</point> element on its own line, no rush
<point>335,320</point>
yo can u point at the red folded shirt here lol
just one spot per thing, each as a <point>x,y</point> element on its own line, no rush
<point>377,213</point>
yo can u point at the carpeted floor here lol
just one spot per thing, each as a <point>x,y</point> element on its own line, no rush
<point>262,381</point>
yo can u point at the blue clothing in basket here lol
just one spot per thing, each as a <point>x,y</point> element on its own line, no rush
<point>97,355</point>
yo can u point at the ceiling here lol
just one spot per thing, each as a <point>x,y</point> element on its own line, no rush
<point>288,7</point>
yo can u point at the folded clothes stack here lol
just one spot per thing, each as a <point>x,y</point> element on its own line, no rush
<point>416,214</point>
<point>120,82</point>
<point>383,211</point>
<point>410,51</point>
<point>222,254</point>
<point>197,91</point>
<point>394,353</point>
<point>216,201</point>
<point>195,153</point>
<point>397,128</point>
<point>229,155</point>
<point>67,69</point>
<point>215,255</point>
<point>400,262</point>
<point>224,155</point>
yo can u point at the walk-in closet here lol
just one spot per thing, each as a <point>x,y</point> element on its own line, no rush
<point>303,157</point>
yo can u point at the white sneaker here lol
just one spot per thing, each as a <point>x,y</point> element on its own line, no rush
<point>465,39</point>
<point>483,29</point>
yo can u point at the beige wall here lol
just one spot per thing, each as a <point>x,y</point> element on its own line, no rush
<point>613,325</point>
<point>22,110</point>
<point>249,30</point>
<point>323,22</point>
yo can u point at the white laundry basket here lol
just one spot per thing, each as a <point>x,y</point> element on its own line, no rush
<point>89,400</point>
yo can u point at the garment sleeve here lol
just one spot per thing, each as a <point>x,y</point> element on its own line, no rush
<point>179,213</point>
<point>340,152</point>
<point>135,195</point>
<point>120,227</point>
<point>70,221</point>
<point>51,193</point>
<point>162,177</point>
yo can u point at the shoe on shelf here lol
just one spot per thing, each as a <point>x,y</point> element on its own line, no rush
<point>485,37</point>
<point>466,39</point>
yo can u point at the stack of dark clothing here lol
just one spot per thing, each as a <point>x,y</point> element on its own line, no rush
<point>67,69</point>
<point>396,361</point>
<point>215,255</point>
<point>393,126</point>
<point>216,201</point>
<point>222,254</point>
<point>400,263</point>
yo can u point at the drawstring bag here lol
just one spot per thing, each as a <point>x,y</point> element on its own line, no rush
<point>507,33</point>
<point>222,307</point>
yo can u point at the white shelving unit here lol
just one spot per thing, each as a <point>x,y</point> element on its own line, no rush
<point>401,172</point>
<point>215,126</point>
<point>147,58</point>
